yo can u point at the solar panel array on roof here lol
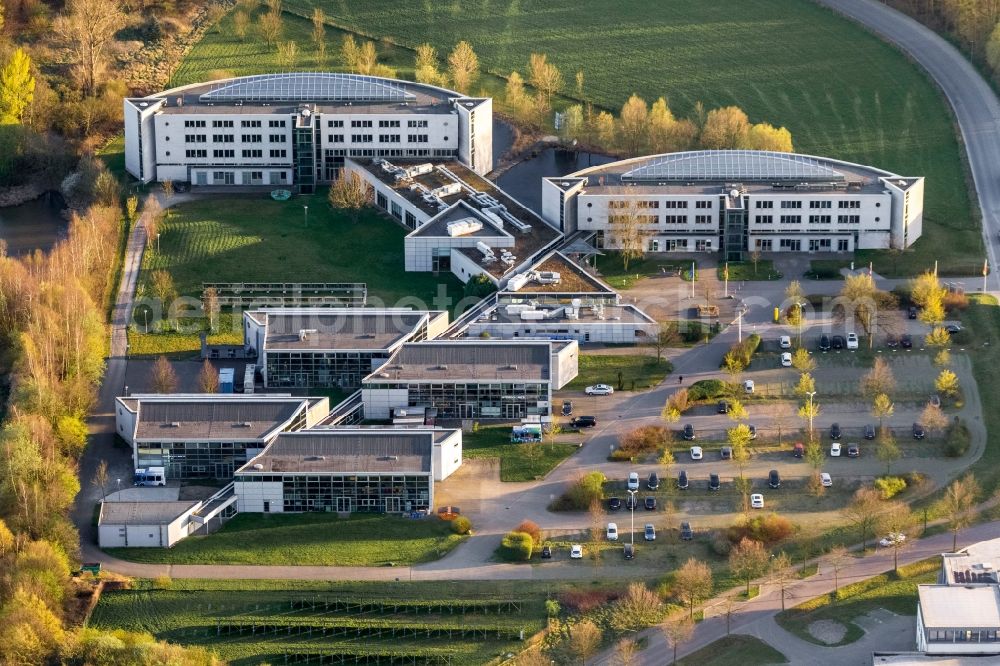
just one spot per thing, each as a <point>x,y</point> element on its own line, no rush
<point>733,166</point>
<point>309,87</point>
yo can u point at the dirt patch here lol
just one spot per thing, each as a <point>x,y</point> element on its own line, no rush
<point>827,631</point>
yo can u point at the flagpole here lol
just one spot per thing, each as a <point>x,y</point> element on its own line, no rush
<point>725,274</point>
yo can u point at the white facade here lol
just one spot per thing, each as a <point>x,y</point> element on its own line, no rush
<point>958,619</point>
<point>145,531</point>
<point>447,454</point>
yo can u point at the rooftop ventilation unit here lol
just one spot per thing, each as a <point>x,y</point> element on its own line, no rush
<point>174,424</point>
<point>388,458</point>
<point>315,458</point>
<point>486,250</point>
<point>419,169</point>
<point>447,190</point>
<point>245,424</point>
<point>258,466</point>
<point>304,333</point>
<point>441,367</point>
<point>464,227</point>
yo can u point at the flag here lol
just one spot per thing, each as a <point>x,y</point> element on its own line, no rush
<point>986,267</point>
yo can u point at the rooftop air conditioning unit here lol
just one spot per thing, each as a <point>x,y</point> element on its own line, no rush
<point>388,458</point>
<point>246,424</point>
<point>304,333</point>
<point>441,367</point>
<point>315,458</point>
<point>258,466</point>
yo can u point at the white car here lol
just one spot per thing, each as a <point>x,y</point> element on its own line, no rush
<point>748,386</point>
<point>576,552</point>
<point>852,340</point>
<point>785,342</point>
<point>599,389</point>
<point>756,501</point>
<point>786,360</point>
<point>612,532</point>
<point>633,481</point>
<point>825,480</point>
<point>696,453</point>
<point>892,540</point>
<point>835,450</point>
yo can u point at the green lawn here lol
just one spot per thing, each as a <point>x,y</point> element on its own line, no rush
<point>518,462</point>
<point>309,538</point>
<point>734,650</point>
<point>828,269</point>
<point>745,270</point>
<point>643,370</point>
<point>893,592</point>
<point>613,269</point>
<point>982,320</point>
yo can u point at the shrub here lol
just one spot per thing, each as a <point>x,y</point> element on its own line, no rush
<point>640,441</point>
<point>584,601</point>
<point>744,351</point>
<point>707,389</point>
<point>531,528</point>
<point>890,486</point>
<point>162,583</point>
<point>955,302</point>
<point>584,490</point>
<point>461,525</point>
<point>766,529</point>
<point>957,440</point>
<point>693,331</point>
<point>516,547</point>
<point>720,544</point>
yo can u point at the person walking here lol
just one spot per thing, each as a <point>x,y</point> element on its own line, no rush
<point>680,380</point>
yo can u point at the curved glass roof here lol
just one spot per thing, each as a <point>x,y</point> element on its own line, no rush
<point>733,165</point>
<point>309,87</point>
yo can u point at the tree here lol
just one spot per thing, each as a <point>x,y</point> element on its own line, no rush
<point>755,257</point>
<point>666,336</point>
<point>573,123</point>
<point>87,30</point>
<point>933,418</point>
<point>367,58</point>
<point>959,504</point>
<point>164,378</point>
<point>17,88</point>
<point>426,65</point>
<point>808,413</point>
<point>938,337</point>
<point>879,380</point>
<point>943,358</point>
<point>737,412</point>
<point>626,228</point>
<point>210,305</point>
<point>131,209</point>
<point>725,128</point>
<point>747,560</point>
<point>2,20</point>
<point>887,450</point>
<point>319,34</point>
<point>168,194</point>
<point>633,124</point>
<point>604,128</point>
<point>693,583</point>
<point>677,630</point>
<point>626,649</point>
<point>637,609</point>
<point>516,97</point>
<point>677,403</point>
<point>781,573</point>
<point>764,136</point>
<point>794,292</point>
<point>837,557</point>
<point>208,378</point>
<point>733,365</point>
<point>947,383</point>
<point>288,52</point>
<point>862,302</point>
<point>544,76</point>
<point>925,288</point>
<point>814,455</point>
<point>595,513</point>
<point>803,361</point>
<point>163,288</point>
<point>584,639</point>
<point>739,438</point>
<point>896,520</point>
<point>665,133</point>
<point>862,512</point>
<point>350,54</point>
<point>350,192</point>
<point>241,24</point>
<point>7,540</point>
<point>805,385</point>
<point>100,481</point>
<point>882,408</point>
<point>269,26</point>
<point>463,65</point>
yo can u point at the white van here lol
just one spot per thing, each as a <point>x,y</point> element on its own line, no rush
<point>150,476</point>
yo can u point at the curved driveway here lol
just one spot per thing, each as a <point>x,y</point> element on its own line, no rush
<point>973,101</point>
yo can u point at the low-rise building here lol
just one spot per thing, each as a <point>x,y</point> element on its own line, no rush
<point>332,347</point>
<point>958,619</point>
<point>145,524</point>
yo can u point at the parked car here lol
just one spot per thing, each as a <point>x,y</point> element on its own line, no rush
<point>584,422</point>
<point>713,482</point>
<point>852,340</point>
<point>748,386</point>
<point>689,432</point>
<point>853,451</point>
<point>756,501</point>
<point>722,407</point>
<point>786,360</point>
<point>696,453</point>
<point>785,342</point>
<point>567,408</point>
<point>614,503</point>
<point>774,479</point>
<point>753,431</point>
<point>892,539</point>
<point>824,343</point>
<point>629,551</point>
<point>576,551</point>
<point>650,503</point>
<point>631,502</point>
<point>612,532</point>
<point>835,432</point>
<point>599,389</point>
<point>546,552</point>
<point>682,480</point>
<point>633,481</point>
<point>918,431</point>
<point>798,450</point>
<point>953,328</point>
<point>869,431</point>
<point>838,342</point>
<point>726,452</point>
<point>911,312</point>
<point>935,400</point>
<point>653,482</point>
<point>906,341</point>
<point>891,340</point>
<point>649,532</point>
<point>835,450</point>
<point>686,532</point>
<point>825,480</point>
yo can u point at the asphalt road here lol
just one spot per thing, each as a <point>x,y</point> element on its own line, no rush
<point>973,101</point>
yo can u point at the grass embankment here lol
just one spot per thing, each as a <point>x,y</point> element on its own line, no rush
<point>292,619</point>
<point>309,539</point>
<point>635,371</point>
<point>896,592</point>
<point>518,462</point>
<point>734,650</point>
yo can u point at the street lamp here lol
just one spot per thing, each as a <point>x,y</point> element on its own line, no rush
<point>632,504</point>
<point>145,320</point>
<point>157,243</point>
<point>305,214</point>
<point>811,394</point>
<point>118,486</point>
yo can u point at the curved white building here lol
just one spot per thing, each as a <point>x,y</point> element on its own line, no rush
<point>738,201</point>
<point>297,129</point>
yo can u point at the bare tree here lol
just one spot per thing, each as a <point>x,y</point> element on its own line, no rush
<point>208,378</point>
<point>544,76</point>
<point>747,560</point>
<point>887,450</point>
<point>755,256</point>
<point>87,30</point>
<point>896,521</point>
<point>781,573</point>
<point>584,639</point>
<point>880,379</point>
<point>625,652</point>
<point>666,336</point>
<point>837,557</point>
<point>101,478</point>
<point>164,377</point>
<point>677,630</point>
<point>210,306</point>
<point>693,583</point>
<point>288,53</point>
<point>350,192</point>
<point>269,26</point>
<point>862,302</point>
<point>863,511</point>
<point>959,504</point>
<point>627,230</point>
<point>933,418</point>
<point>241,24</point>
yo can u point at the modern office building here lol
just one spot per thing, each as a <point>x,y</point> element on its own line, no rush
<point>208,435</point>
<point>472,379</point>
<point>297,129</point>
<point>368,470</point>
<point>958,619</point>
<point>461,222</point>
<point>332,347</point>
<point>739,201</point>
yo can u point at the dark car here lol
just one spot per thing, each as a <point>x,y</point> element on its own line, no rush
<point>585,421</point>
<point>906,341</point>
<point>722,407</point>
<point>686,532</point>
<point>911,312</point>
<point>726,452</point>
<point>891,340</point>
<point>689,432</point>
<point>614,503</point>
<point>798,450</point>
<point>653,482</point>
<point>853,451</point>
<point>713,482</point>
<point>650,503</point>
<point>629,551</point>
<point>631,502</point>
<point>839,342</point>
<point>869,431</point>
<point>753,431</point>
<point>682,480</point>
<point>546,553</point>
<point>918,431</point>
<point>835,431</point>
<point>774,479</point>
<point>953,328</point>
<point>567,408</point>
<point>824,343</point>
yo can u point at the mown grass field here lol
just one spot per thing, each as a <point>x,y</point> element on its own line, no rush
<point>309,538</point>
<point>518,462</point>
<point>734,650</point>
<point>637,371</point>
<point>200,612</point>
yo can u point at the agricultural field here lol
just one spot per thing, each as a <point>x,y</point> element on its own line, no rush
<point>249,622</point>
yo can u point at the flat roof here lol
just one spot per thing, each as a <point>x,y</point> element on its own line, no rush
<point>979,562</point>
<point>142,513</point>
<point>921,659</point>
<point>573,278</point>
<point>346,329</point>
<point>460,210</point>
<point>346,451</point>
<point>206,418</point>
<point>588,314</point>
<point>467,359</point>
<point>960,606</point>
